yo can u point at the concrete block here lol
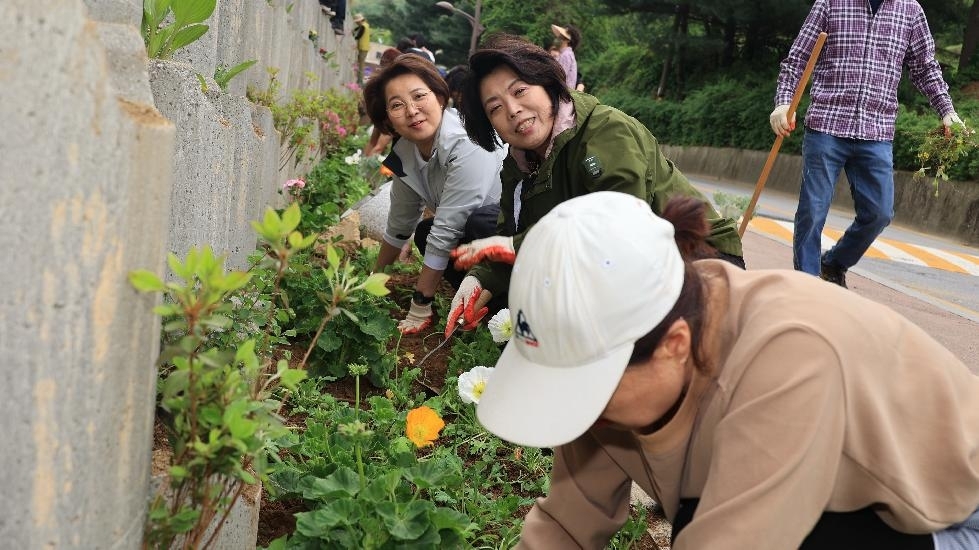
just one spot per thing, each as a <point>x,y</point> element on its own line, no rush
<point>202,162</point>
<point>373,211</point>
<point>123,12</point>
<point>126,56</point>
<point>245,201</point>
<point>202,53</point>
<point>78,343</point>
<point>256,21</point>
<point>231,44</point>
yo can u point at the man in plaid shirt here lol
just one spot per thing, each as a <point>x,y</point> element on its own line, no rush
<point>850,121</point>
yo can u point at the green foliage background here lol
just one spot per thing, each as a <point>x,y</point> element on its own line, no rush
<point>721,61</point>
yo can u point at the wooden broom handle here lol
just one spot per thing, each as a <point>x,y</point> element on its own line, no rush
<point>799,90</point>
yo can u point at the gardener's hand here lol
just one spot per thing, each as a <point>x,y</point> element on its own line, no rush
<point>497,249</point>
<point>419,318</point>
<point>951,119</point>
<point>468,306</point>
<point>780,122</point>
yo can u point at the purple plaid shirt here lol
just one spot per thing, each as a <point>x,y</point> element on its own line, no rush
<point>854,84</point>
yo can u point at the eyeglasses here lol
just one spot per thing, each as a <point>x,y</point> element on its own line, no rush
<point>399,108</point>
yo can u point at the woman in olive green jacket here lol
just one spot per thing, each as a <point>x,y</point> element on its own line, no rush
<point>562,144</point>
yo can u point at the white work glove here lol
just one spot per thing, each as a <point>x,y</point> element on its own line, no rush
<point>496,249</point>
<point>780,122</point>
<point>468,306</point>
<point>950,119</point>
<point>419,318</point>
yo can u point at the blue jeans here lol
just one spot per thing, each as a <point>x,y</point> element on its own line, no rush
<point>869,167</point>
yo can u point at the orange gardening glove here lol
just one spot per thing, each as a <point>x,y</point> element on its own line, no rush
<point>496,249</point>
<point>468,306</point>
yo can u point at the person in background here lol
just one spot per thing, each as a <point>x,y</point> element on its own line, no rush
<point>362,33</point>
<point>566,39</point>
<point>422,46</point>
<point>337,12</point>
<point>435,166</point>
<point>849,124</point>
<point>759,408</point>
<point>562,144</point>
<point>379,141</point>
<point>454,78</point>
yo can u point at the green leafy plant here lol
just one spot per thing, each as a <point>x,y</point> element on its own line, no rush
<point>941,149</point>
<point>366,484</point>
<point>731,206</point>
<point>359,335</point>
<point>187,25</point>
<point>311,121</point>
<point>218,378</point>
<point>223,74</point>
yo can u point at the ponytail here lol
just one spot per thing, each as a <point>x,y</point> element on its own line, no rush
<point>691,228</point>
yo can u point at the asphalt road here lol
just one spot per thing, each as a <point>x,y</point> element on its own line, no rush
<point>919,274</point>
<point>944,303</point>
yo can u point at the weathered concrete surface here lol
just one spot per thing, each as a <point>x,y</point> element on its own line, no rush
<point>953,211</point>
<point>87,186</point>
<point>83,201</point>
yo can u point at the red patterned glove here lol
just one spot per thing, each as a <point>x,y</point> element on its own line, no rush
<point>419,318</point>
<point>468,306</point>
<point>496,249</point>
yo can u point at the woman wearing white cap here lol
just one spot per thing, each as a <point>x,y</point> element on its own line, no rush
<point>760,408</point>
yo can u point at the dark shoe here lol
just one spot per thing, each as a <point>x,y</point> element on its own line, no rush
<point>832,273</point>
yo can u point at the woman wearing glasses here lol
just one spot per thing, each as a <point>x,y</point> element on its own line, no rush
<point>435,166</point>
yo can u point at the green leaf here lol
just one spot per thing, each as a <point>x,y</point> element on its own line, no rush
<point>179,268</point>
<point>342,512</point>
<point>246,354</point>
<point>292,377</point>
<point>224,76</point>
<point>343,482</point>
<point>278,544</point>
<point>332,256</point>
<point>406,522</point>
<point>379,489</point>
<point>146,281</point>
<point>446,518</point>
<point>431,473</point>
<point>178,472</point>
<point>291,218</point>
<point>376,284</point>
<point>186,12</point>
<point>295,240</point>
<point>185,37</point>
<point>200,78</point>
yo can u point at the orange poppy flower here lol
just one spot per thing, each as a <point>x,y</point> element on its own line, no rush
<point>386,172</point>
<point>423,426</point>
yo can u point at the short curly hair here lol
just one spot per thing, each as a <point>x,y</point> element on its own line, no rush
<point>406,63</point>
<point>531,63</point>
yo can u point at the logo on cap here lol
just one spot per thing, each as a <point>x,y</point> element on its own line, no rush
<point>593,166</point>
<point>523,330</point>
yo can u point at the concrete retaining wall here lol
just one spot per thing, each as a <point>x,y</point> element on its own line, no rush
<point>953,211</point>
<point>108,162</point>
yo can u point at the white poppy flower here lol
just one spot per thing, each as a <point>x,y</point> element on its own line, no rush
<point>501,326</point>
<point>472,383</point>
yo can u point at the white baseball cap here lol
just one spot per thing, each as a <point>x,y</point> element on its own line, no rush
<point>594,275</point>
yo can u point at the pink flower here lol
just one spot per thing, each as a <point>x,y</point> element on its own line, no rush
<point>296,183</point>
<point>342,131</point>
<point>352,86</point>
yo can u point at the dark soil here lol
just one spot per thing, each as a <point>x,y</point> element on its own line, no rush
<point>276,518</point>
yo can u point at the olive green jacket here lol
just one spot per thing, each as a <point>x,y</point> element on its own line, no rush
<point>606,150</point>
